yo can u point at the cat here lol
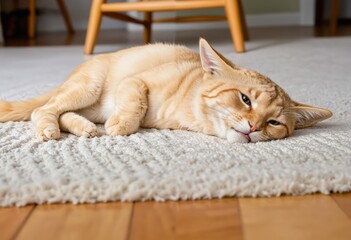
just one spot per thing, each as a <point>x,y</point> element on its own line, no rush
<point>165,87</point>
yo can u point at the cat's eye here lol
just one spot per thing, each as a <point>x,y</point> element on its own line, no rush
<point>274,122</point>
<point>246,100</point>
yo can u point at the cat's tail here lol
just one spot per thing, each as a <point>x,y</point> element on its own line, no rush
<point>22,110</point>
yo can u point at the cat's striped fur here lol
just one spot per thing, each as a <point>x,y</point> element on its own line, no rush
<point>165,86</point>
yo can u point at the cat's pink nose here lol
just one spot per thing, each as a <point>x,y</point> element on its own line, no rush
<point>252,128</point>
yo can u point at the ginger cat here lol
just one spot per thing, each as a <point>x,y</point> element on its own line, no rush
<point>165,86</point>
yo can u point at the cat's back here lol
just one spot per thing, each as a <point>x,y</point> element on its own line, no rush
<point>158,53</point>
<point>139,59</point>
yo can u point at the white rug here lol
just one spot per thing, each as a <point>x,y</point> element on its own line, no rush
<point>161,165</point>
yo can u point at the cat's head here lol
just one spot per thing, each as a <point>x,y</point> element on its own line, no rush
<point>245,106</point>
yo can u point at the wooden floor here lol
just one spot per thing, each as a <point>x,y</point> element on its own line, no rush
<point>308,217</point>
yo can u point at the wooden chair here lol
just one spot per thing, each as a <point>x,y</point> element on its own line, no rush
<point>32,17</point>
<point>334,15</point>
<point>99,8</point>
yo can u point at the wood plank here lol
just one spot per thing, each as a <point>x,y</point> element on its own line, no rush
<point>344,202</point>
<point>201,219</point>
<point>306,217</point>
<point>12,219</point>
<point>86,221</point>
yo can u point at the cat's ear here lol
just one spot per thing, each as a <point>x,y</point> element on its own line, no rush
<point>307,116</point>
<point>211,61</point>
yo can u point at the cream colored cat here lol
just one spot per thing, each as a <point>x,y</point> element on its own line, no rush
<point>165,86</point>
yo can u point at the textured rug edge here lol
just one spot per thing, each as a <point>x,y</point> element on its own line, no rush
<point>78,193</point>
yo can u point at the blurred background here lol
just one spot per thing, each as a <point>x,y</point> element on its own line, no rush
<point>274,18</point>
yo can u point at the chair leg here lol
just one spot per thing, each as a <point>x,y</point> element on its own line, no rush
<point>334,15</point>
<point>66,16</point>
<point>319,10</point>
<point>93,26</point>
<point>147,27</point>
<point>234,20</point>
<point>243,21</point>
<point>31,19</point>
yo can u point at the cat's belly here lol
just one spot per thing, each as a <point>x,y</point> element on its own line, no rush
<point>99,112</point>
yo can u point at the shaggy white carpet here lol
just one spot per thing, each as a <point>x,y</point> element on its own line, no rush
<point>166,164</point>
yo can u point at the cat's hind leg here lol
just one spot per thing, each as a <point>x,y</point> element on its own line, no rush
<point>82,89</point>
<point>130,108</point>
<point>80,126</point>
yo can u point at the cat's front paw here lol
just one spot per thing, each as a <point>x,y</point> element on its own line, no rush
<point>48,132</point>
<point>88,130</point>
<point>116,126</point>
